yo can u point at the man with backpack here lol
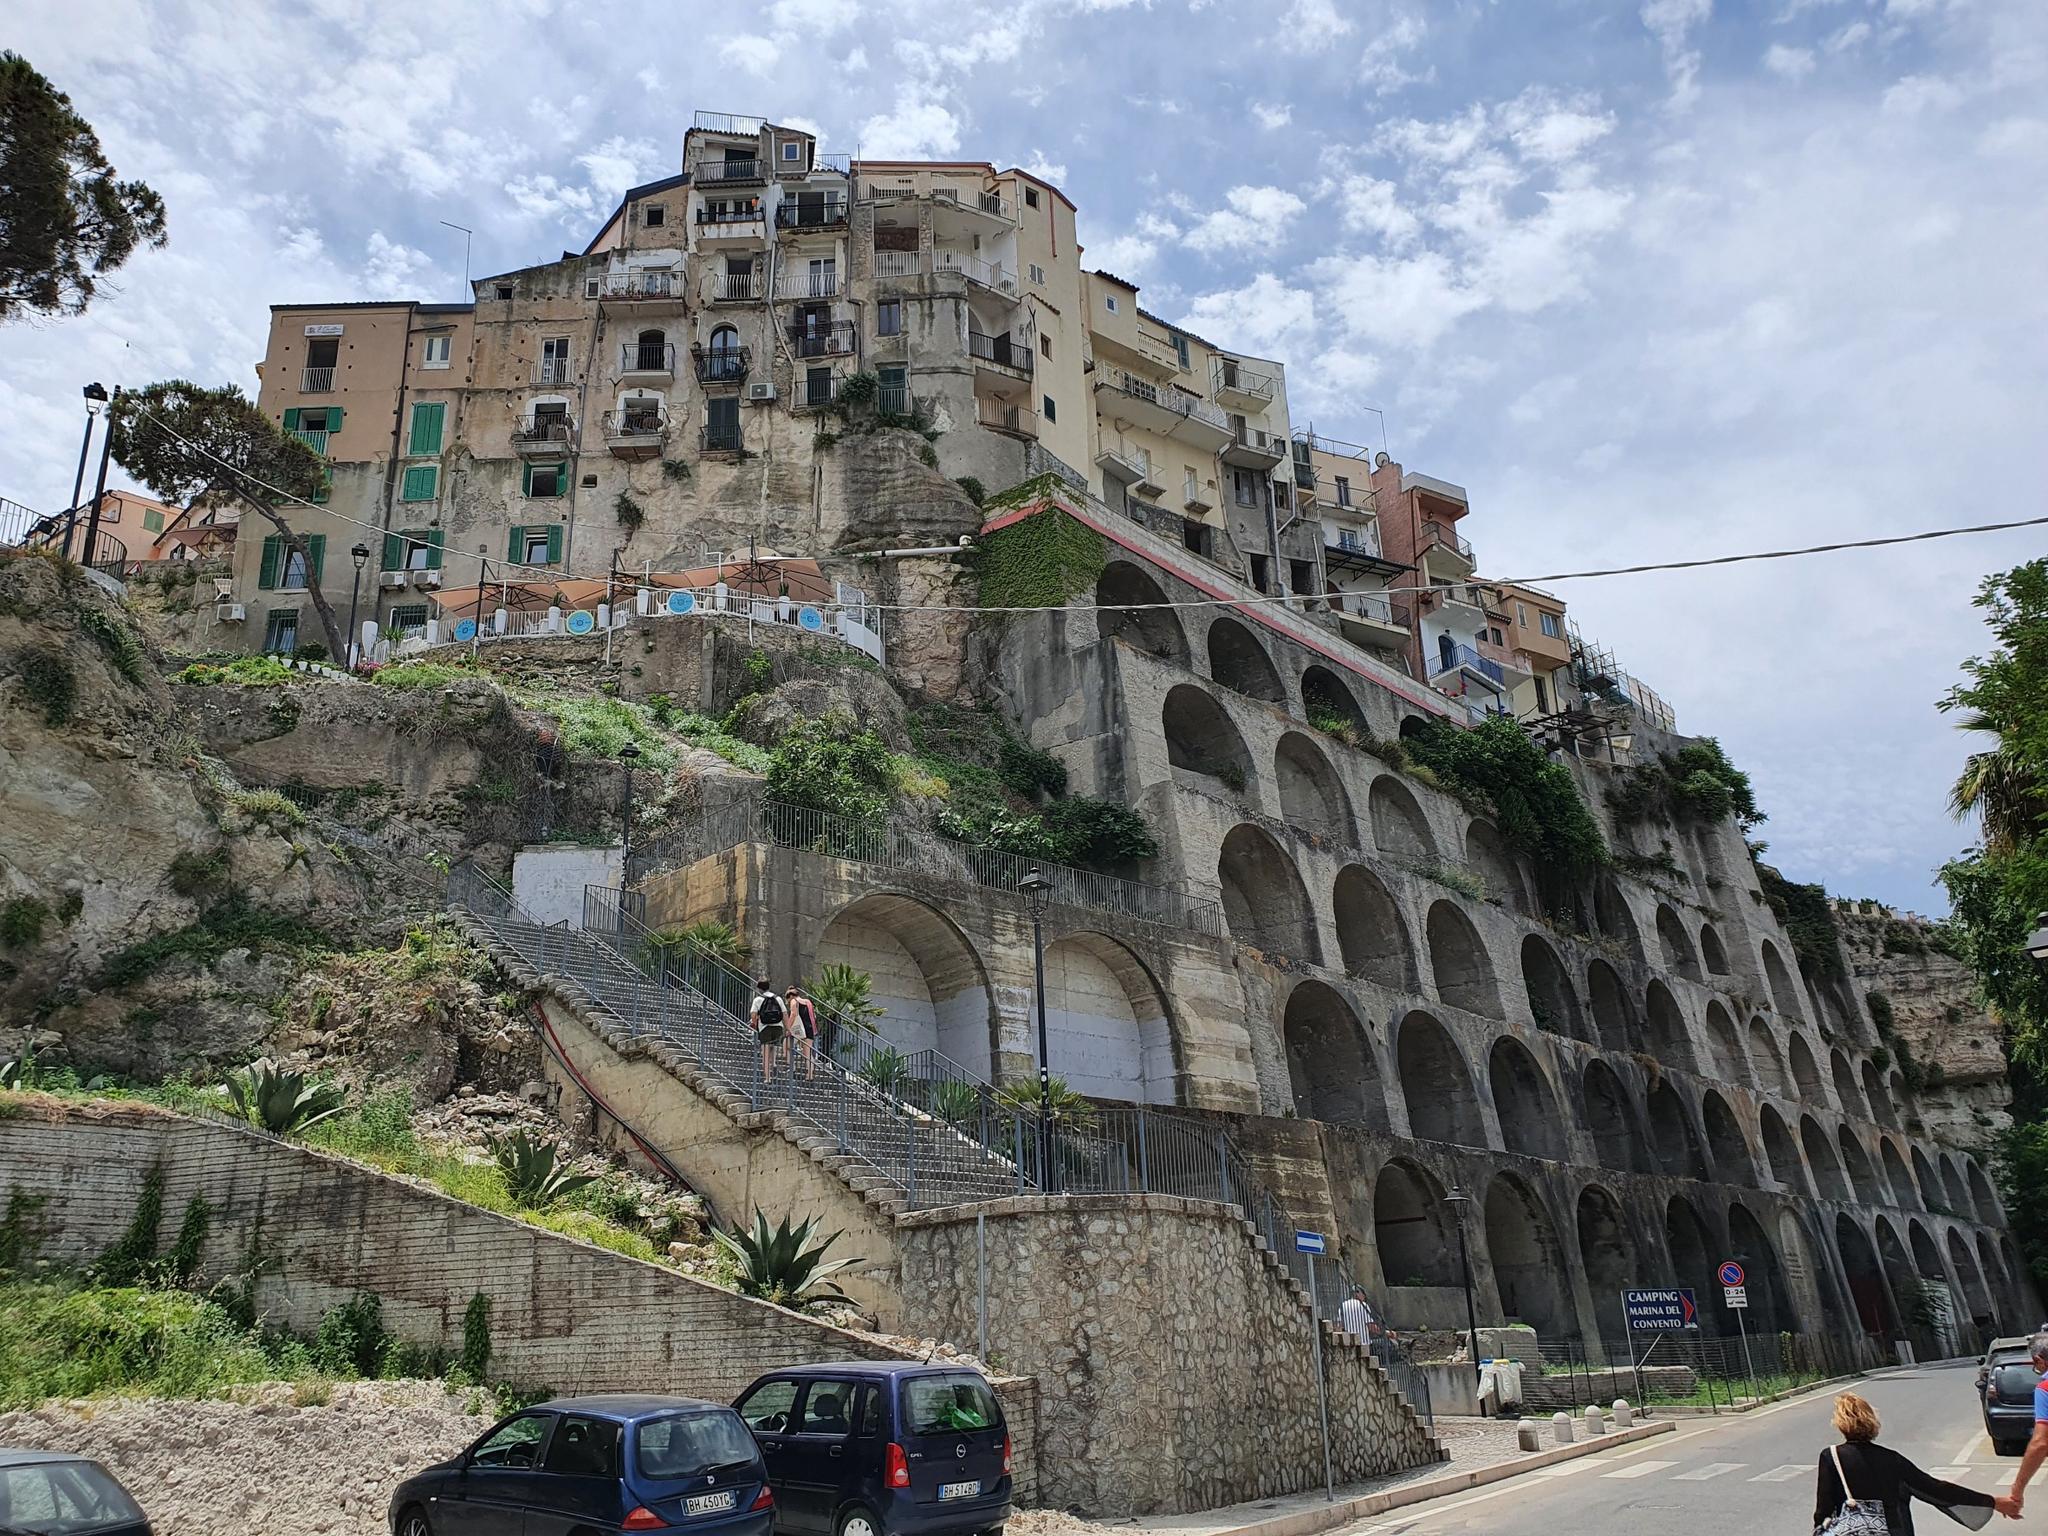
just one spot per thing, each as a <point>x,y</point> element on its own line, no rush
<point>766,1019</point>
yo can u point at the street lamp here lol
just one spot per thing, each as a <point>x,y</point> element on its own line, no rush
<point>2037,941</point>
<point>361,555</point>
<point>629,755</point>
<point>1037,893</point>
<point>1457,1201</point>
<point>99,490</point>
<point>95,397</point>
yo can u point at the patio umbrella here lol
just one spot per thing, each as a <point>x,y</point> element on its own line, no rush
<point>761,576</point>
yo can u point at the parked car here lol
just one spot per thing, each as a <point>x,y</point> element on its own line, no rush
<point>869,1449</point>
<point>582,1465</point>
<point>47,1493</point>
<point>2006,1380</point>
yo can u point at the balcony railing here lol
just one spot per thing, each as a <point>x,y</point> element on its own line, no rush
<point>1370,605</point>
<point>314,438</point>
<point>1004,351</point>
<point>1434,532</point>
<point>722,439</point>
<point>713,172</point>
<point>898,263</point>
<point>639,425</point>
<point>1464,656</point>
<point>1168,397</point>
<point>724,365</point>
<point>831,340</point>
<point>893,400</point>
<point>975,270</point>
<point>728,122</point>
<point>1363,541</point>
<point>1004,417</point>
<point>1227,375</point>
<point>746,213</point>
<point>735,287</point>
<point>805,283</point>
<point>992,203</point>
<point>814,394</point>
<point>551,370</point>
<point>543,431</point>
<point>316,381</point>
<point>643,285</point>
<point>810,213</point>
<point>647,357</point>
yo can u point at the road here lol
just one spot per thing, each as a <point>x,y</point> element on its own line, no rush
<point>1730,1476</point>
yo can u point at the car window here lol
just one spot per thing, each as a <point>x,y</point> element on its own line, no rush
<point>871,1410</point>
<point>690,1444</point>
<point>828,1410</point>
<point>767,1408</point>
<point>64,1498</point>
<point>514,1443</point>
<point>937,1405</point>
<point>2015,1380</point>
<point>583,1448</point>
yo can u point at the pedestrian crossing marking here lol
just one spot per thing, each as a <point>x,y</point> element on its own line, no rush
<point>1711,1469</point>
<point>1783,1474</point>
<point>1563,1469</point>
<point>1640,1469</point>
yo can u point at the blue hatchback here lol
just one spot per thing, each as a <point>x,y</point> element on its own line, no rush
<point>580,1466</point>
<point>870,1449</point>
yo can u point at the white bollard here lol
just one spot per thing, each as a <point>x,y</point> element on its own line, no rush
<point>1623,1415</point>
<point>1561,1426</point>
<point>1595,1425</point>
<point>1527,1436</point>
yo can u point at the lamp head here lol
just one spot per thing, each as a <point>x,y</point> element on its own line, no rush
<point>1037,891</point>
<point>361,555</point>
<point>1457,1200</point>
<point>2037,941</point>
<point>629,752</point>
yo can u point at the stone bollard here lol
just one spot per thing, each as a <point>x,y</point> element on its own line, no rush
<point>1595,1425</point>
<point>1561,1426</point>
<point>1528,1437</point>
<point>1623,1415</point>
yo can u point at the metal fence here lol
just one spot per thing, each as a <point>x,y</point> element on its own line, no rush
<point>1696,1370</point>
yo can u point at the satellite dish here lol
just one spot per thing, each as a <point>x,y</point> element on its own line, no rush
<point>581,623</point>
<point>682,602</point>
<point>810,618</point>
<point>465,629</point>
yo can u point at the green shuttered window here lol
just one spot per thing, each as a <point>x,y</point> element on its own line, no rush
<point>524,547</point>
<point>426,427</point>
<point>279,571</point>
<point>420,483</point>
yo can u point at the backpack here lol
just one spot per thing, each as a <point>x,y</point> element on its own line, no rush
<point>770,1011</point>
<point>1856,1517</point>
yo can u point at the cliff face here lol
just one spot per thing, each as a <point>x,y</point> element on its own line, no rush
<point>1937,1017</point>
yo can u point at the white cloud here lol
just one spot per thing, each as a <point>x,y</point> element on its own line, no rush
<point>1264,316</point>
<point>1851,37</point>
<point>1368,204</point>
<point>389,268</point>
<point>813,18</point>
<point>618,164</point>
<point>1553,132</point>
<point>1255,216</point>
<point>750,51</point>
<point>917,128</point>
<point>1309,26</point>
<point>1672,22</point>
<point>1914,94</point>
<point>1272,115</point>
<point>1054,171</point>
<point>1788,63</point>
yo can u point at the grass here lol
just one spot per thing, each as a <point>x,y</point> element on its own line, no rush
<point>233,924</point>
<point>600,727</point>
<point>703,731</point>
<point>267,806</point>
<point>408,675</point>
<point>244,671</point>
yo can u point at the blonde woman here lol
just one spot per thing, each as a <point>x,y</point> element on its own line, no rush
<point>1878,1476</point>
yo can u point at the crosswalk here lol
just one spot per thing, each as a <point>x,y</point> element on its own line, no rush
<point>1989,1477</point>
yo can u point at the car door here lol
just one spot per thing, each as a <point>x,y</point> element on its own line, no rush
<point>815,1463</point>
<point>490,1494</point>
<point>578,1488</point>
<point>770,1413</point>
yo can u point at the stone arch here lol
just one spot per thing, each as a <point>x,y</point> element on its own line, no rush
<point>1846,1093</point>
<point>1997,1277</point>
<point>1202,738</point>
<point>1436,1085</point>
<point>1611,916</point>
<point>1311,798</point>
<point>1669,1040</point>
<point>1866,1279</point>
<point>1805,1070</point>
<point>1264,901</point>
<point>1772,1307</point>
<point>1784,993</point>
<point>1981,1196</point>
<point>1690,1247</point>
<point>1779,1151</point>
<point>922,973</point>
<point>1371,933</point>
<point>1612,1016</point>
<point>1611,1118</point>
<point>1954,1186</point>
<point>1927,1179</point>
<point>1812,1281</point>
<point>1882,1110</point>
<point>1527,1262</point>
<point>1109,1034</point>
<point>1896,1265</point>
<point>1459,962</point>
<point>1926,1252</point>
<point>1823,1160</point>
<point>1983,1310</point>
<point>1523,1101</point>
<point>1726,1146</point>
<point>1724,1046</point>
<point>1330,1062</point>
<point>1239,662</point>
<point>1399,829</point>
<point>1413,1233</point>
<point>1675,944</point>
<point>1672,1134</point>
<point>1488,856</point>
<point>1553,1000</point>
<point>1607,1253</point>
<point>1713,954</point>
<point>1125,598</point>
<point>1856,1164</point>
<point>1324,692</point>
<point>1772,1075</point>
<point>1897,1175</point>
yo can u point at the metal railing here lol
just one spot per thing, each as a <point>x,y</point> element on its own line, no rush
<point>316,381</point>
<point>746,213</point>
<point>810,212</point>
<point>724,365</point>
<point>1434,532</point>
<point>313,438</point>
<point>1369,605</point>
<point>722,439</point>
<point>975,270</point>
<point>1168,397</point>
<point>728,122</point>
<point>551,370</point>
<point>893,400</point>
<point>1001,416</point>
<point>898,263</point>
<point>1704,1370</point>
<point>1226,374</point>
<point>1352,541</point>
<point>1464,656</point>
<point>814,394</point>
<point>985,202</point>
<point>834,339</point>
<point>807,283</point>
<point>647,357</point>
<point>1004,351</point>
<point>726,170</point>
<point>736,287</point>
<point>543,430</point>
<point>643,285</point>
<point>636,424</point>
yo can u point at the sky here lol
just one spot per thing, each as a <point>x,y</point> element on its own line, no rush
<point>1653,279</point>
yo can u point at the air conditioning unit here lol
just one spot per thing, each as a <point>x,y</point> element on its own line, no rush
<point>391,579</point>
<point>229,613</point>
<point>426,579</point>
<point>761,390</point>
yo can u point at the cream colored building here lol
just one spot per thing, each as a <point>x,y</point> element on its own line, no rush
<point>1333,487</point>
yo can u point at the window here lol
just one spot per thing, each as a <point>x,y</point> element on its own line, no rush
<point>1494,635</point>
<point>536,545</point>
<point>1052,412</point>
<point>828,1410</point>
<point>767,1408</point>
<point>438,349</point>
<point>722,423</point>
<point>516,1444</point>
<point>817,386</point>
<point>422,482</point>
<point>684,1445</point>
<point>889,317</point>
<point>1244,487</point>
<point>583,1447</point>
<point>152,520</point>
<point>281,631</point>
<point>1542,697</point>
<point>949,1404</point>
<point>323,352</point>
<point>410,618</point>
<point>1259,573</point>
<point>1044,344</point>
<point>1109,302</point>
<point>547,480</point>
<point>654,215</point>
<point>413,549</point>
<point>592,286</point>
<point>870,1425</point>
<point>1031,197</point>
<point>1343,491</point>
<point>1037,274</point>
<point>1551,626</point>
<point>1521,616</point>
<point>824,275</point>
<point>792,151</point>
<point>426,428</point>
<point>1180,350</point>
<point>65,1496</point>
<point>503,291</point>
<point>287,570</point>
<point>1197,537</point>
<point>893,395</point>
<point>554,352</point>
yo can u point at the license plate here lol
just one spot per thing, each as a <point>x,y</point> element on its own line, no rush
<point>711,1503</point>
<point>959,1490</point>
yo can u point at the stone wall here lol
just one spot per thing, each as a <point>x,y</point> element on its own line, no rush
<point>1175,1352</point>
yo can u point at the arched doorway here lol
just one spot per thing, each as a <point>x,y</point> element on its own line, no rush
<point>1726,1146</point>
<point>1435,1084</point>
<point>1240,663</point>
<point>1897,1175</point>
<point>1311,799</point>
<point>1553,1000</point>
<point>1523,1102</point>
<point>1856,1164</point>
<point>1724,1046</point>
<point>1669,1042</point>
<point>1329,703</point>
<point>1785,996</point>
<point>922,973</point>
<point>1822,1159</point>
<point>1417,1245</point>
<point>1771,1073</point>
<point>1528,1267</point>
<point>1488,856</point>
<point>1672,1134</point>
<point>1371,934</point>
<point>1845,1085</point>
<point>1607,1252</point>
<point>1612,1016</point>
<point>1617,1135</point>
<point>1264,902</point>
<point>1675,945</point>
<point>1107,1031</point>
<point>1459,962</point>
<point>1202,738</point>
<point>1780,1152</point>
<point>1330,1062</point>
<point>1126,601</point>
<point>1399,829</point>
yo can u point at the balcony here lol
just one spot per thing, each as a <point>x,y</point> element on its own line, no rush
<point>1195,496</point>
<point>1255,448</point>
<point>543,435</point>
<point>807,283</point>
<point>830,339</point>
<point>637,433</point>
<point>1162,408</point>
<point>728,173</point>
<point>723,365</point>
<point>1442,541</point>
<point>744,225</point>
<point>647,360</point>
<point>1002,416</point>
<point>722,439</point>
<point>802,213</point>
<point>314,438</point>
<point>659,292</point>
<point>899,264</point>
<point>1237,386</point>
<point>737,287</point>
<point>1456,663</point>
<point>981,273</point>
<point>981,207</point>
<point>894,400</point>
<point>1130,467</point>
<point>1514,665</point>
<point>1371,619</point>
<point>316,381</point>
<point>551,371</point>
<point>1356,552</point>
<point>1005,352</point>
<point>816,393</point>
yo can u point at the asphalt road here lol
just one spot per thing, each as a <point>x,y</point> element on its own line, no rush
<point>1733,1476</point>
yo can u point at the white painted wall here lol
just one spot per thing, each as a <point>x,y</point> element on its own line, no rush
<point>548,878</point>
<point>1095,1039</point>
<point>915,1016</point>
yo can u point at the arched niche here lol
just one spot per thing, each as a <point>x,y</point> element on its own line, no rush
<point>1724,1046</point>
<point>1780,1152</point>
<point>1612,918</point>
<point>1399,829</point>
<point>1329,702</point>
<point>1773,1076</point>
<point>1612,1016</point>
<point>1528,1266</point>
<point>1823,1159</point>
<point>1435,1084</point>
<point>1727,1148</point>
<point>1331,1065</point>
<point>1982,1199</point>
<point>1785,995</point>
<point>1523,1102</point>
<point>922,973</point>
<point>1371,932</point>
<point>1669,1041</point>
<point>1713,954</point>
<point>1264,902</point>
<point>1805,1070</point>
<point>1846,1093</point>
<point>1856,1166</point>
<point>1202,738</point>
<point>1672,1134</point>
<point>1675,944</point>
<point>1239,662</point>
<point>1553,1000</point>
<point>1460,963</point>
<point>1488,856</point>
<point>1928,1181</point>
<point>1611,1118</point>
<point>1417,1245</point>
<point>1772,1308</point>
<point>1125,599</point>
<point>1607,1253</point>
<point>1866,1280</point>
<point>1108,1031</point>
<point>1897,1175</point>
<point>1692,1257</point>
<point>1312,799</point>
<point>1875,1094</point>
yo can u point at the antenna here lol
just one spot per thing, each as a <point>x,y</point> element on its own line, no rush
<point>1383,424</point>
<point>465,253</point>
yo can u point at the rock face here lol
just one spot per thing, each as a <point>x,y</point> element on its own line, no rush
<point>866,696</point>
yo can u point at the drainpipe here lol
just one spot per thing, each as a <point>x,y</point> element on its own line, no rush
<point>1272,535</point>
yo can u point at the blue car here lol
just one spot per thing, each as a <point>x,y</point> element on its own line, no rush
<point>870,1449</point>
<point>65,1495</point>
<point>580,1466</point>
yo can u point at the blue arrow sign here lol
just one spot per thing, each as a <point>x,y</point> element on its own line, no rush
<point>1308,1242</point>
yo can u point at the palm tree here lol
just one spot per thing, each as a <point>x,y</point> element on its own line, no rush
<point>1999,786</point>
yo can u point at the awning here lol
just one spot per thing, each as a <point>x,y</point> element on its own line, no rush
<point>768,576</point>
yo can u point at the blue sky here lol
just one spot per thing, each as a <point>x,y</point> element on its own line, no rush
<point>1652,278</point>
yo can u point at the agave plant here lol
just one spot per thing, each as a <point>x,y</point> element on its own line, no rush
<point>1070,1110</point>
<point>283,1103</point>
<point>782,1264</point>
<point>886,1068</point>
<point>536,1175</point>
<point>955,1102</point>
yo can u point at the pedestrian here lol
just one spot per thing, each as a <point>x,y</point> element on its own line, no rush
<point>803,1029</point>
<point>765,1017</point>
<point>2037,1443</point>
<point>824,1028</point>
<point>1356,1316</point>
<point>1859,1478</point>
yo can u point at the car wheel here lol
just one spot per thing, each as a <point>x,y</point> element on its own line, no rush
<point>859,1522</point>
<point>414,1523</point>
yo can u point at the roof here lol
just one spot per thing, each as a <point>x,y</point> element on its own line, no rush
<point>353,304</point>
<point>447,309</point>
<point>871,1368</point>
<point>989,166</point>
<point>634,194</point>
<point>1119,281</point>
<point>624,1405</point>
<point>25,1458</point>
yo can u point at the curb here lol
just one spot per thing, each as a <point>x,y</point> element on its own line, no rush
<point>1752,1404</point>
<point>1344,1511</point>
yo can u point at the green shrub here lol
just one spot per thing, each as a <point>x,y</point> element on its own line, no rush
<point>244,671</point>
<point>267,807</point>
<point>1070,1110</point>
<point>475,1360</point>
<point>760,671</point>
<point>409,675</point>
<point>627,512</point>
<point>600,727</point>
<point>230,924</point>
<point>182,1262</point>
<point>22,1231</point>
<point>844,990</point>
<point>1040,561</point>
<point>832,764</point>
<point>536,1176</point>
<point>886,1069</point>
<point>351,1340</point>
<point>783,1264</point>
<point>22,920</point>
<point>1028,770</point>
<point>128,1259</point>
<point>1880,1013</point>
<point>47,682</point>
<point>976,492</point>
<point>195,874</point>
<point>1534,800</point>
<point>283,1103</point>
<point>123,650</point>
<point>60,1339</point>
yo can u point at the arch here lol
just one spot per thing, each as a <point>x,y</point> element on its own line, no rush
<point>1672,1134</point>
<point>1897,1268</point>
<point>1784,994</point>
<point>1724,1046</point>
<point>1669,1041</point>
<point>1779,1151</point>
<point>1929,1298</point>
<point>1982,1198</point>
<point>1152,629</point>
<point>1108,1033</point>
<point>1726,1147</point>
<point>1617,1135</point>
<point>1928,1180</point>
<point>1771,1305</point>
<point>1846,1093</point>
<point>1612,1016</point>
<point>1324,693</point>
<point>1771,1073</point>
<point>1459,962</point>
<point>1977,1299</point>
<point>1998,1278</point>
<point>1805,1070</point>
<point>1608,1255</point>
<point>1202,738</point>
<point>1612,917</point>
<point>1399,829</point>
<point>1330,1062</point>
<point>1692,1262</point>
<point>1488,856</point>
<point>1811,1281</point>
<point>1896,1175</point>
<point>1527,1263</point>
<point>1240,663</point>
<point>1713,954</point>
<point>1856,1164</point>
<point>1412,1232</point>
<point>1822,1158</point>
<point>1866,1280</point>
<point>1954,1186</point>
<point>1311,798</point>
<point>1675,945</point>
<point>922,974</point>
<point>1882,1110</point>
<point>1371,933</point>
<point>1522,1101</point>
<point>1435,1085</point>
<point>1553,1000</point>
<point>1413,726</point>
<point>1264,902</point>
<point>725,341</point>
<point>654,336</point>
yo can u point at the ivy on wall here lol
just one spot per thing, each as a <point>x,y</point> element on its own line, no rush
<point>1535,802</point>
<point>1040,561</point>
<point>1808,918</point>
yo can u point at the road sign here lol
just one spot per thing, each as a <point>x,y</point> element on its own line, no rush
<point>1736,1296</point>
<point>1731,1273</point>
<point>1308,1242</point>
<point>1660,1310</point>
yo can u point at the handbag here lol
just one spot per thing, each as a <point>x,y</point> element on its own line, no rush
<point>1856,1517</point>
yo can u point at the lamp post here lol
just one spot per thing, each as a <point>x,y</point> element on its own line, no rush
<point>99,490</point>
<point>1037,892</point>
<point>2037,941</point>
<point>1457,1201</point>
<point>628,755</point>
<point>361,555</point>
<point>95,397</point>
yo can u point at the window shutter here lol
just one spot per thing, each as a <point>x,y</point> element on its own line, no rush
<point>435,536</point>
<point>316,551</point>
<point>512,549</point>
<point>333,419</point>
<point>273,554</point>
<point>562,478</point>
<point>555,545</point>
<point>525,485</point>
<point>394,552</point>
<point>291,419</point>
<point>426,428</point>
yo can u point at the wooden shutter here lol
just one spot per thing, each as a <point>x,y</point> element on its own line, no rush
<point>555,545</point>
<point>291,419</point>
<point>273,557</point>
<point>562,478</point>
<point>333,419</point>
<point>435,538</point>
<point>525,485</point>
<point>316,551</point>
<point>394,552</point>
<point>421,482</point>
<point>514,547</point>
<point>426,428</point>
